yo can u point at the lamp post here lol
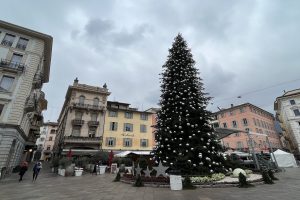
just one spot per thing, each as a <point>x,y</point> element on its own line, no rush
<point>253,151</point>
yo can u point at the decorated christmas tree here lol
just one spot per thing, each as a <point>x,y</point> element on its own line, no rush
<point>185,140</point>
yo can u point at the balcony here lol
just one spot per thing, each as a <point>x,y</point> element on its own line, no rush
<point>93,123</point>
<point>7,43</point>
<point>88,106</point>
<point>77,122</point>
<point>79,139</point>
<point>12,66</point>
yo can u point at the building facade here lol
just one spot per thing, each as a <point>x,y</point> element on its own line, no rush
<point>25,57</point>
<point>46,140</point>
<point>287,109</point>
<point>248,118</point>
<point>81,121</point>
<point>127,128</point>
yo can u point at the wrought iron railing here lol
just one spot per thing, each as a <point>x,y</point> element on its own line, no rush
<point>12,65</point>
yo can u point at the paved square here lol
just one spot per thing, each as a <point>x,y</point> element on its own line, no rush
<point>50,186</point>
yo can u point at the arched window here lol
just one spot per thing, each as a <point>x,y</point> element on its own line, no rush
<point>96,102</point>
<point>81,99</point>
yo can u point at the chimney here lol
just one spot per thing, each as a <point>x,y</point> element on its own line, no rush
<point>231,105</point>
<point>75,81</point>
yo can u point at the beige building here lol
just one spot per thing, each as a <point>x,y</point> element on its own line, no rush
<point>287,109</point>
<point>81,121</point>
<point>127,128</point>
<point>25,57</point>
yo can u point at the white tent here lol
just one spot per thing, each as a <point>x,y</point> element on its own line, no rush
<point>284,159</point>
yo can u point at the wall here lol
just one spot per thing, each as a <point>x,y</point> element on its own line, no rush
<point>136,135</point>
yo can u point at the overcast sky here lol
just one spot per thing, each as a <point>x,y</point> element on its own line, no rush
<point>240,47</point>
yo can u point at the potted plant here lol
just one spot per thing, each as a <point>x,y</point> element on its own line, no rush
<point>63,164</point>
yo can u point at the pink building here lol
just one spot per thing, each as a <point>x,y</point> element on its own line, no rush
<point>50,128</point>
<point>248,117</point>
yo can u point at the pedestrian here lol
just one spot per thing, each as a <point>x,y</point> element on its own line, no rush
<point>23,169</point>
<point>95,169</point>
<point>36,170</point>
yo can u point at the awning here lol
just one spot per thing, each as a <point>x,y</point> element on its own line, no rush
<point>80,151</point>
<point>126,153</point>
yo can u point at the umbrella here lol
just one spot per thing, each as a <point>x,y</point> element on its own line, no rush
<point>110,157</point>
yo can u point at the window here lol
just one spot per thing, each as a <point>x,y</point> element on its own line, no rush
<point>6,82</point>
<point>231,113</point>
<point>94,117</point>
<point>78,115</point>
<point>42,139</point>
<point>112,113</point>
<point>247,129</point>
<point>111,141</point>
<point>237,134</point>
<point>143,128</point>
<point>92,132</point>
<point>8,40</point>
<point>50,138</point>
<point>22,43</point>
<point>76,131</point>
<point>95,102</point>
<point>52,131</point>
<point>242,110</point>
<point>257,130</point>
<point>254,121</point>
<point>144,116</point>
<point>1,108</point>
<point>292,102</point>
<point>81,99</point>
<point>297,112</point>
<point>128,127</point>
<point>234,124</point>
<point>299,123</point>
<point>113,126</point>
<point>48,147</point>
<point>16,59</point>
<point>128,115</point>
<point>245,122</point>
<point>225,125</point>
<point>239,145</point>
<point>144,142</point>
<point>258,123</point>
<point>127,142</point>
<point>223,115</point>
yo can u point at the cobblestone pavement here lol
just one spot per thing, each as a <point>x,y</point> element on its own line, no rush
<point>88,187</point>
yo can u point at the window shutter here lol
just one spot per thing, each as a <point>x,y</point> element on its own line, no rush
<point>116,126</point>
<point>106,141</point>
<point>114,139</point>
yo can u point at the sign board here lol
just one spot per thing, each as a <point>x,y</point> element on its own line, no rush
<point>113,168</point>
<point>175,182</point>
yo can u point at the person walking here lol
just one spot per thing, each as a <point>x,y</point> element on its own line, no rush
<point>23,169</point>
<point>36,170</point>
<point>95,169</point>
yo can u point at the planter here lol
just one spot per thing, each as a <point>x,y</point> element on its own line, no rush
<point>62,172</point>
<point>78,172</point>
<point>175,182</point>
<point>102,169</point>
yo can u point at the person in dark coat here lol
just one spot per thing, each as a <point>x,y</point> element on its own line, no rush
<point>36,170</point>
<point>23,169</point>
<point>95,169</point>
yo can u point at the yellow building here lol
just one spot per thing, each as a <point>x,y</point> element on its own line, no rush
<point>127,128</point>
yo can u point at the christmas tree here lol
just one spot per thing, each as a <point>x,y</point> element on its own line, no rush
<point>185,140</point>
